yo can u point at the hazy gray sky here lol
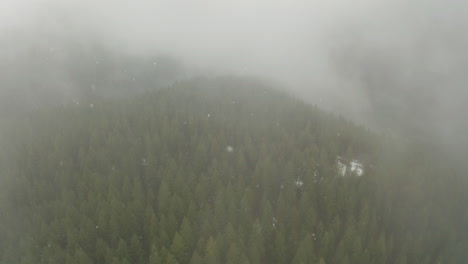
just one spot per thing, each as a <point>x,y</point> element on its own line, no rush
<point>258,36</point>
<point>351,56</point>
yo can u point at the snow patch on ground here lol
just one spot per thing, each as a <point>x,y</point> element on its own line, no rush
<point>298,182</point>
<point>357,167</point>
<point>342,168</point>
<point>354,166</point>
<point>317,178</point>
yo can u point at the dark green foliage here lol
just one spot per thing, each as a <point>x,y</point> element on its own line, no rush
<point>221,171</point>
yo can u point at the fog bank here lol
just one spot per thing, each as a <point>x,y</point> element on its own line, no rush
<point>394,65</point>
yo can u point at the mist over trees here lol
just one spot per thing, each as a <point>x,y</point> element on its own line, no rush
<point>201,172</point>
<point>416,90</point>
<point>391,65</point>
<point>233,131</point>
<point>61,70</point>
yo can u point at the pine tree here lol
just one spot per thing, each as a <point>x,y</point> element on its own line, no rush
<point>135,250</point>
<point>179,249</point>
<point>233,255</point>
<point>154,257</point>
<point>305,251</point>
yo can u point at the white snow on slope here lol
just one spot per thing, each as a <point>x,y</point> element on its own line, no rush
<point>354,166</point>
<point>298,182</point>
<point>357,167</point>
<point>342,168</point>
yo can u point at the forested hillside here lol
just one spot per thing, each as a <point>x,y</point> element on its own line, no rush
<point>222,170</point>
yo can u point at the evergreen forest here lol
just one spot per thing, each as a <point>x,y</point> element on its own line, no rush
<point>222,170</point>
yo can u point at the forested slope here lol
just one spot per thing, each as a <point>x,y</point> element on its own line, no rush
<point>222,171</point>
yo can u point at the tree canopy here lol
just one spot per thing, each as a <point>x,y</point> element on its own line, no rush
<point>222,170</point>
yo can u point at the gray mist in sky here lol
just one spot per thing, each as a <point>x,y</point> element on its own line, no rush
<point>397,65</point>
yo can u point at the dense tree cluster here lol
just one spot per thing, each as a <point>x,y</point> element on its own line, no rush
<point>221,171</point>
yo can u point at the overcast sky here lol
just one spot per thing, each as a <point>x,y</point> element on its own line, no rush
<point>350,56</point>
